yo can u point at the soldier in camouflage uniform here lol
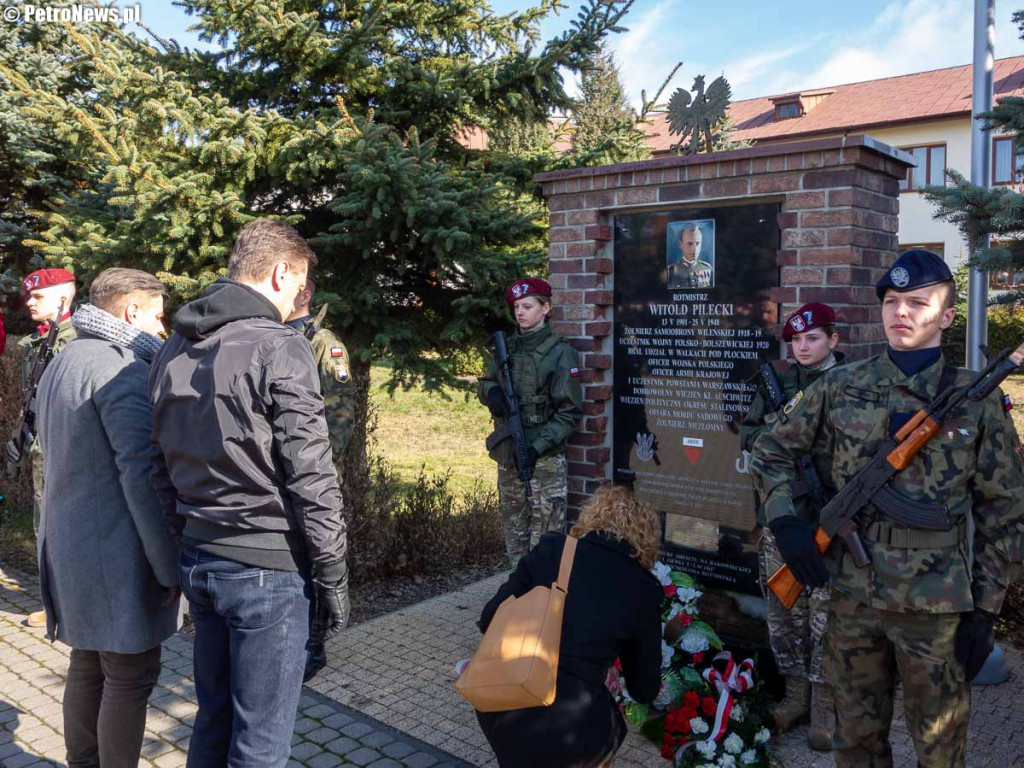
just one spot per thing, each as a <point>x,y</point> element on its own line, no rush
<point>546,379</point>
<point>796,635</point>
<point>339,395</point>
<point>923,611</point>
<point>45,289</point>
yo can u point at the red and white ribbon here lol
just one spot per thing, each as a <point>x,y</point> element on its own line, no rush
<point>729,678</point>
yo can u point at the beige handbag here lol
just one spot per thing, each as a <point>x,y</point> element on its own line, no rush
<point>516,664</point>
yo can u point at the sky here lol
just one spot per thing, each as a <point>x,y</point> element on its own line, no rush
<point>763,48</point>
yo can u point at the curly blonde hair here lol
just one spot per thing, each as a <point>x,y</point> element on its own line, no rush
<point>615,510</point>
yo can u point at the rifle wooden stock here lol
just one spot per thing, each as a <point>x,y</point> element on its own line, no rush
<point>783,583</point>
<point>914,434</point>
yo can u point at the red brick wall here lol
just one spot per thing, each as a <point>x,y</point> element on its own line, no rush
<point>840,201</point>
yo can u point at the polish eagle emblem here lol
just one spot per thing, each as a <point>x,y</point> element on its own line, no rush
<point>694,118</point>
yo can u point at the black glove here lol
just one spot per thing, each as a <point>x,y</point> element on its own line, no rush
<point>495,401</point>
<point>332,602</point>
<point>796,545</point>
<point>975,639</point>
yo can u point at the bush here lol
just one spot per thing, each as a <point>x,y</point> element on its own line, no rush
<point>397,529</point>
<point>1005,329</point>
<point>19,491</point>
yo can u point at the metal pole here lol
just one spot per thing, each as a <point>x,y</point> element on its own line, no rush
<point>981,172</point>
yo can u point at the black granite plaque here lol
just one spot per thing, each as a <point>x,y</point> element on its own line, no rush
<point>691,307</point>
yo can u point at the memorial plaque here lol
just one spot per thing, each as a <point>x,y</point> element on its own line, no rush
<point>691,308</point>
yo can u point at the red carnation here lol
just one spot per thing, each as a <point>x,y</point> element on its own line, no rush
<point>691,700</point>
<point>670,590</point>
<point>667,752</point>
<point>685,620</point>
<point>709,706</point>
<point>698,657</point>
<point>618,664</point>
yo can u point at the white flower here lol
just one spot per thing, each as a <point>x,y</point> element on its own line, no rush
<point>661,573</point>
<point>664,697</point>
<point>762,736</point>
<point>674,611</point>
<point>727,761</point>
<point>733,744</point>
<point>693,642</point>
<point>737,714</point>
<point>749,757</point>
<point>667,652</point>
<point>698,726</point>
<point>707,748</point>
<point>687,595</point>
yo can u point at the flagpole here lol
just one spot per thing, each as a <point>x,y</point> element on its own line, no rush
<point>981,173</point>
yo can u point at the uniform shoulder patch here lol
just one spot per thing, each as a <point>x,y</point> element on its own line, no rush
<point>574,372</point>
<point>1007,403</point>
<point>337,352</point>
<point>788,407</point>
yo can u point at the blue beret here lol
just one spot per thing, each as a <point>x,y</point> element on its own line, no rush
<point>916,268</point>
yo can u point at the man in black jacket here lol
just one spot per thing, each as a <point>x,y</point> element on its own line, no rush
<point>242,467</point>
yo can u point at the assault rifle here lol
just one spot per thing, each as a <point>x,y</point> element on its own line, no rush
<point>513,425</point>
<point>870,484</point>
<point>809,483</point>
<point>25,434</point>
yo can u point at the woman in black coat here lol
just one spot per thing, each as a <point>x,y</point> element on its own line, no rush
<point>612,611</point>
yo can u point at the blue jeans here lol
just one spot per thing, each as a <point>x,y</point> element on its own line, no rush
<point>251,630</point>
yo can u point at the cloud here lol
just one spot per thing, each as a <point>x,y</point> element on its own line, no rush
<point>645,54</point>
<point>906,36</point>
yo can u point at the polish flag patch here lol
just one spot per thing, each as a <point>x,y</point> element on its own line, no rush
<point>337,352</point>
<point>1007,404</point>
<point>574,372</point>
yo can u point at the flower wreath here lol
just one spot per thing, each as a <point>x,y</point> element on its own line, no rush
<point>711,711</point>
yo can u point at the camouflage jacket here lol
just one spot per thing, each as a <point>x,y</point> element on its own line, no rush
<point>29,346</point>
<point>542,363</point>
<point>796,378</point>
<point>337,388</point>
<point>967,467</point>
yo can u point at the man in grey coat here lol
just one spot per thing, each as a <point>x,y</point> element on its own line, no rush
<point>107,563</point>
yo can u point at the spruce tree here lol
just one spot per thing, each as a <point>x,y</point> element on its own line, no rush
<point>344,118</point>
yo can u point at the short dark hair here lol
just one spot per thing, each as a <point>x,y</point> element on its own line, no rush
<point>830,330</point>
<point>114,288</point>
<point>263,243</point>
<point>950,301</point>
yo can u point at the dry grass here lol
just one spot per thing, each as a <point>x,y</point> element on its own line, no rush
<point>418,431</point>
<point>1014,387</point>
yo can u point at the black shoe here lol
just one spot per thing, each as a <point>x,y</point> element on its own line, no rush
<point>316,659</point>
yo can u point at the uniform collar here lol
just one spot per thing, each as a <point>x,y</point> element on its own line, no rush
<point>530,341</point>
<point>924,384</point>
<point>299,322</point>
<point>44,328</point>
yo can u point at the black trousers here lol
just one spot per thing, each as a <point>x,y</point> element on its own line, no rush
<point>105,706</point>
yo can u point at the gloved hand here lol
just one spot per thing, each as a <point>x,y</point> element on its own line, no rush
<point>495,401</point>
<point>531,457</point>
<point>12,452</point>
<point>332,601</point>
<point>975,638</point>
<point>795,540</point>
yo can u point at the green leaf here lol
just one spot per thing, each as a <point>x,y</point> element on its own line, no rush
<point>704,629</point>
<point>636,713</point>
<point>683,580</point>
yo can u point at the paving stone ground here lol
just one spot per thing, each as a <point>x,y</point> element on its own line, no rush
<point>386,700</point>
<point>32,672</point>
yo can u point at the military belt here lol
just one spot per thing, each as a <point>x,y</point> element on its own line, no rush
<point>913,538</point>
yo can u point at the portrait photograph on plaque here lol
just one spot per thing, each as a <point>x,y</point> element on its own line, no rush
<point>687,344</point>
<point>690,253</point>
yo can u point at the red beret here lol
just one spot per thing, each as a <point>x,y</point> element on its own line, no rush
<point>44,278</point>
<point>808,317</point>
<point>527,286</point>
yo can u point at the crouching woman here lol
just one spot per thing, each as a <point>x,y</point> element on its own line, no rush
<point>612,611</point>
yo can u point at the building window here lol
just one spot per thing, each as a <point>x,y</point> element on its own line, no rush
<point>787,111</point>
<point>1007,165</point>
<point>939,249</point>
<point>930,170</point>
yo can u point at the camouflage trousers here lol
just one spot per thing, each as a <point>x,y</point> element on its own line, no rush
<point>867,651</point>
<point>526,519</point>
<point>795,635</point>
